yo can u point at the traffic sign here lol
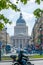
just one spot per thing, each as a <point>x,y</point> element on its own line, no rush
<point>8,48</point>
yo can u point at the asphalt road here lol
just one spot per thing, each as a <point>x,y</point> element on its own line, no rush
<point>39,62</point>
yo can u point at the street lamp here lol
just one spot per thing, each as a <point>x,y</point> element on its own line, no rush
<point>6,38</point>
<point>0,49</point>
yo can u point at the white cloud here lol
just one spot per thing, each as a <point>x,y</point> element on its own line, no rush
<point>10,28</point>
<point>13,1</point>
<point>32,0</point>
<point>27,16</point>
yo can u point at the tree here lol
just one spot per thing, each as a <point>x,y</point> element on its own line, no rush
<point>5,4</point>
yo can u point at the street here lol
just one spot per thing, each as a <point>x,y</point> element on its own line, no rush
<point>5,63</point>
<point>39,62</point>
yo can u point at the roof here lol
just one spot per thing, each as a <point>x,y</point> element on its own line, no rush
<point>20,20</point>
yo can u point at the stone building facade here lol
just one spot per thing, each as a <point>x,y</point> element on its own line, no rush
<point>4,37</point>
<point>21,38</point>
<point>37,31</point>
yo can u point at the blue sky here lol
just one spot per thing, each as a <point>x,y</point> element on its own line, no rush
<point>27,13</point>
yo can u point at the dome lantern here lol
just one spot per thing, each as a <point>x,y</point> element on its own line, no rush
<point>20,21</point>
<point>20,15</point>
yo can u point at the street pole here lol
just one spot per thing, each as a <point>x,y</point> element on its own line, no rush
<point>6,38</point>
<point>0,53</point>
<point>0,49</point>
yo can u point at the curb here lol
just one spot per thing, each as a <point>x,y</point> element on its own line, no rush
<point>31,59</point>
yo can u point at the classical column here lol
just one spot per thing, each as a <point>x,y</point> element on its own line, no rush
<point>16,43</point>
<point>19,43</point>
<point>25,42</point>
<point>13,42</point>
<point>22,43</point>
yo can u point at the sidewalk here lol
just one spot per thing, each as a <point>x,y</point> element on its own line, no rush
<point>6,61</point>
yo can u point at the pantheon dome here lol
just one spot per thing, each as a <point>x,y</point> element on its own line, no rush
<point>21,21</point>
<point>21,38</point>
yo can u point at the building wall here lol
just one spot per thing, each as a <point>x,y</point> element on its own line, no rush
<point>20,29</point>
<point>3,37</point>
<point>21,41</point>
<point>36,30</point>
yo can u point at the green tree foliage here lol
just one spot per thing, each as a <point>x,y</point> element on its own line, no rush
<point>5,21</point>
<point>5,4</point>
<point>1,26</point>
<point>24,1</point>
<point>37,1</point>
<point>38,12</point>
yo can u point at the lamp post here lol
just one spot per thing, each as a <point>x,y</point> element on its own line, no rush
<point>0,53</point>
<point>6,38</point>
<point>0,49</point>
<point>6,35</point>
